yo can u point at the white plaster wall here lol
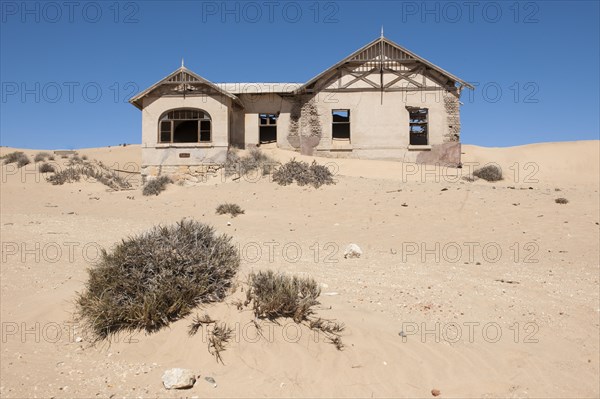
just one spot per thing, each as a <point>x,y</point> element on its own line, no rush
<point>154,153</point>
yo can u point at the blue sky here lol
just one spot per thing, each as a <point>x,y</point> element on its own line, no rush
<point>67,69</point>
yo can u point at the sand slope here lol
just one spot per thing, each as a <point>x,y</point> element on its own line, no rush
<point>534,333</point>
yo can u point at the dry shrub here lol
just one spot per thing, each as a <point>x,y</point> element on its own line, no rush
<point>104,175</point>
<point>14,157</point>
<point>278,295</point>
<point>68,175</point>
<point>41,156</point>
<point>561,200</point>
<point>489,173</point>
<point>303,174</point>
<point>217,339</point>
<point>156,186</point>
<point>275,295</point>
<point>198,322</point>
<point>24,160</point>
<point>231,209</point>
<point>157,277</point>
<point>46,168</point>
<point>96,171</point>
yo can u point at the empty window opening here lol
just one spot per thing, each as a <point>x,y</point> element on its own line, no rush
<point>185,126</point>
<point>341,124</point>
<point>267,128</point>
<point>418,126</point>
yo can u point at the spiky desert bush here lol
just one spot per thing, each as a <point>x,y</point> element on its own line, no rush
<point>320,175</point>
<point>276,295</point>
<point>157,277</point>
<point>303,174</point>
<point>231,209</point>
<point>46,168</point>
<point>41,156</point>
<point>489,173</point>
<point>561,200</point>
<point>156,186</point>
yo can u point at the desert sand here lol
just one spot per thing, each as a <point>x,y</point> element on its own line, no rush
<point>475,289</point>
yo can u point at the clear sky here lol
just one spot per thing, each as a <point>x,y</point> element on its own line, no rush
<point>69,67</point>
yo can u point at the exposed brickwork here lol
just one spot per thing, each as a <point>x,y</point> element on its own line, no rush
<point>452,105</point>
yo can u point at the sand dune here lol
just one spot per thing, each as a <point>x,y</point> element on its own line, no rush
<point>500,263</point>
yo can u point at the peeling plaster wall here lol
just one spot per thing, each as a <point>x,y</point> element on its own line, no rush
<point>379,127</point>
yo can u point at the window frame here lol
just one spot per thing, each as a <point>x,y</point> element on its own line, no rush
<point>334,123</point>
<point>175,115</point>
<point>271,122</point>
<point>420,123</point>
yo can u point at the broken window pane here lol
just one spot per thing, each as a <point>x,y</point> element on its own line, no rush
<point>418,125</point>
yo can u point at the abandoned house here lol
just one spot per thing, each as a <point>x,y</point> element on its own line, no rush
<point>381,102</point>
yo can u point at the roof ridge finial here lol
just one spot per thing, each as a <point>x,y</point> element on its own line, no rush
<point>182,62</point>
<point>382,31</point>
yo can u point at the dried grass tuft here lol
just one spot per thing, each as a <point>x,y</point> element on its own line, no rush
<point>230,209</point>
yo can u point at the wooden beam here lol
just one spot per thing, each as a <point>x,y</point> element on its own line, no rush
<point>376,89</point>
<point>360,77</point>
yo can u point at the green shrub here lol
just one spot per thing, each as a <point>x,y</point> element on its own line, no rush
<point>489,173</point>
<point>156,186</point>
<point>157,277</point>
<point>231,209</point>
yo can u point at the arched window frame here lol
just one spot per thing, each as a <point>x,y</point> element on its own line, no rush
<point>167,125</point>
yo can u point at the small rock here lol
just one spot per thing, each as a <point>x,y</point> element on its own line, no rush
<point>178,378</point>
<point>436,392</point>
<point>228,223</point>
<point>352,251</point>
<point>211,380</point>
<point>78,339</point>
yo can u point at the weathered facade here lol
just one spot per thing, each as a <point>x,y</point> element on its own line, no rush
<point>381,102</point>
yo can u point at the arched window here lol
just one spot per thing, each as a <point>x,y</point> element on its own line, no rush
<point>184,126</point>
